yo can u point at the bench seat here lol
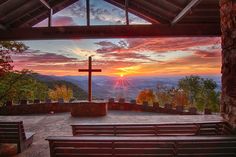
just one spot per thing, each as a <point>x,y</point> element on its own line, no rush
<point>134,129</point>
<point>181,146</point>
<point>14,133</point>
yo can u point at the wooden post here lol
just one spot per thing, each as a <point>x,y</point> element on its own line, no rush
<point>127,11</point>
<point>50,17</point>
<point>90,80</point>
<point>88,12</point>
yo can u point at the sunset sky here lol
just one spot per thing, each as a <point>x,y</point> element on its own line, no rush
<point>130,57</point>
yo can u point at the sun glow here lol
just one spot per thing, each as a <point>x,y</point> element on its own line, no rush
<point>121,75</point>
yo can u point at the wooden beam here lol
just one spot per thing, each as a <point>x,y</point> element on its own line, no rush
<point>127,11</point>
<point>45,4</point>
<point>88,12</point>
<point>50,12</point>
<point>185,11</point>
<point>122,31</point>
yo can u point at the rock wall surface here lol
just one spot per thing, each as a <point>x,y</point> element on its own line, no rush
<point>228,28</point>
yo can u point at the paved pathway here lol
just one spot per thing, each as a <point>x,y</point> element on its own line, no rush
<point>59,124</point>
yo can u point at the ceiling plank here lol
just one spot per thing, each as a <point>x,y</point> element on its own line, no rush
<point>185,11</point>
<point>156,8</point>
<point>133,10</point>
<point>2,27</point>
<point>170,2</point>
<point>19,11</point>
<point>121,31</point>
<point>3,1</point>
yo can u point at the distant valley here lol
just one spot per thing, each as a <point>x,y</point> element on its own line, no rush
<point>105,87</point>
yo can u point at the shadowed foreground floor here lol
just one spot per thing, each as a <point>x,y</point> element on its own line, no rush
<point>59,124</point>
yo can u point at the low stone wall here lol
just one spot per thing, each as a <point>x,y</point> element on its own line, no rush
<point>99,109</point>
<point>89,110</point>
<point>145,108</point>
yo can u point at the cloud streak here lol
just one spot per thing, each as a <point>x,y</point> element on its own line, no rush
<point>161,56</point>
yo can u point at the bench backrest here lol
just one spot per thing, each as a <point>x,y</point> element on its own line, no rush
<point>142,146</point>
<point>150,129</point>
<point>220,128</point>
<point>134,129</point>
<point>12,132</point>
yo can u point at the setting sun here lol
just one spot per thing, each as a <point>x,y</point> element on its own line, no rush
<point>121,75</point>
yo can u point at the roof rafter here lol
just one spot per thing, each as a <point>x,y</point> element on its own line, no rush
<point>56,6</point>
<point>18,12</point>
<point>45,4</point>
<point>185,11</point>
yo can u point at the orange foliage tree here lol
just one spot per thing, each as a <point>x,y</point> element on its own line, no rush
<point>146,95</point>
<point>60,92</point>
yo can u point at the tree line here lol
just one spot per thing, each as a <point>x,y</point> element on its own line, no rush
<point>191,91</point>
<point>24,85</point>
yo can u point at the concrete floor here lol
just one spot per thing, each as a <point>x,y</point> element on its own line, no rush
<point>59,124</point>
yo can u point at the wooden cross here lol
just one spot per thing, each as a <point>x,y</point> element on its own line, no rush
<point>90,70</point>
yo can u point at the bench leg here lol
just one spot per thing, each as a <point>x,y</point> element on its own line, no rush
<point>19,148</point>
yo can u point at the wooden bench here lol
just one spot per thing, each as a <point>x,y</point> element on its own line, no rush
<point>187,129</point>
<point>162,146</point>
<point>13,132</point>
<point>215,128</point>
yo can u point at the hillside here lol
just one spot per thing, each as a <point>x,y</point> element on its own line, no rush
<point>105,87</point>
<point>51,81</point>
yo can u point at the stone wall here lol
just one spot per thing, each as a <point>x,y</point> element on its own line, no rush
<point>91,109</point>
<point>167,109</point>
<point>228,27</point>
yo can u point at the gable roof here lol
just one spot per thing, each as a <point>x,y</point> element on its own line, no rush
<point>26,13</point>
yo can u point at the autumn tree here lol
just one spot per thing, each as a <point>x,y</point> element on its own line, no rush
<point>60,91</point>
<point>146,95</point>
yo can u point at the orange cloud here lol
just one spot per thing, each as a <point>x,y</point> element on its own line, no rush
<point>133,57</point>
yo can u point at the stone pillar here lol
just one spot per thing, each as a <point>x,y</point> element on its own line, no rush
<point>228,28</point>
